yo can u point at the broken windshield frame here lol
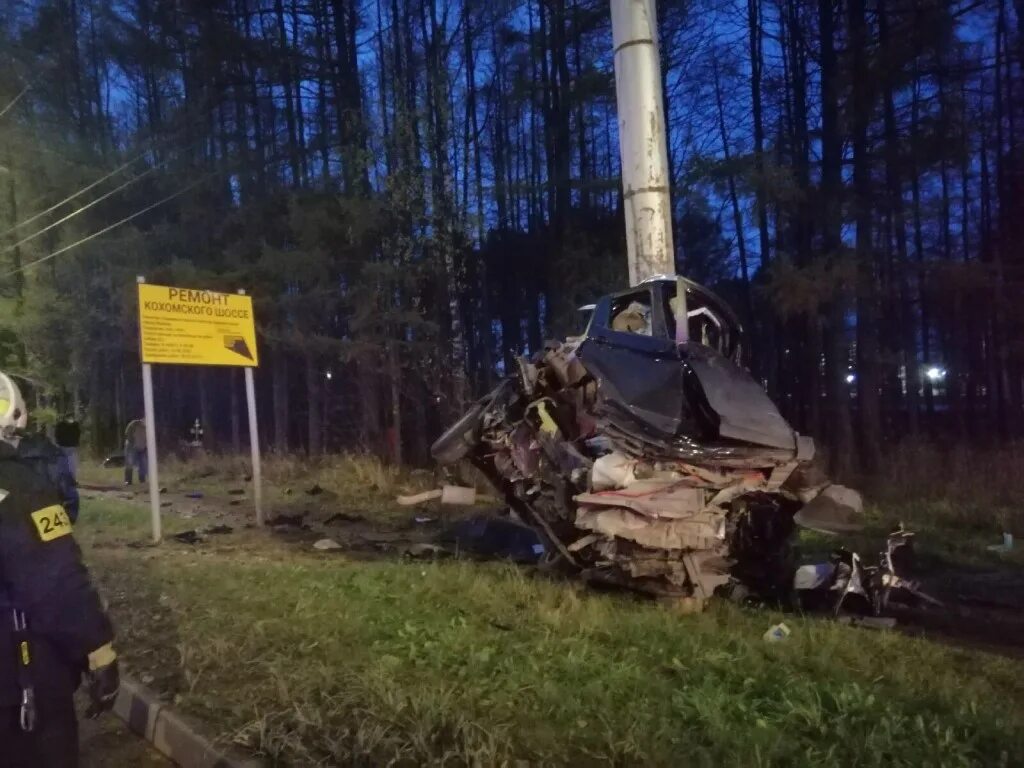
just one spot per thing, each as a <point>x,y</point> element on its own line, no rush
<point>642,317</point>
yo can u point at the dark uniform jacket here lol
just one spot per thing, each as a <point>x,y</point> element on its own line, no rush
<point>52,463</point>
<point>42,574</point>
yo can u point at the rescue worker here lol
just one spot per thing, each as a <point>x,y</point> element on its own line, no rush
<point>53,629</point>
<point>52,463</point>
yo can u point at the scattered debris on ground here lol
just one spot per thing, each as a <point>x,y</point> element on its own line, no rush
<point>869,622</point>
<point>325,545</point>
<point>777,633</point>
<point>493,538</point>
<point>983,603</point>
<point>1004,547</point>
<point>198,535</point>
<point>289,521</point>
<point>114,461</point>
<point>188,537</point>
<point>318,490</point>
<point>344,517</point>
<point>449,495</point>
<point>426,550</point>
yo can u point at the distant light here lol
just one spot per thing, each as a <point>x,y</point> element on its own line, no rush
<point>850,378</point>
<point>935,374</point>
<point>329,375</point>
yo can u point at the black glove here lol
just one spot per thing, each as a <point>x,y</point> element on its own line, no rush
<point>103,684</point>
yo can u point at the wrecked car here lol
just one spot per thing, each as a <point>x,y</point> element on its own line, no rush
<point>647,456</point>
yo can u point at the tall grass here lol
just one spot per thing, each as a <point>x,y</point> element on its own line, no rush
<point>340,473</point>
<point>962,487</point>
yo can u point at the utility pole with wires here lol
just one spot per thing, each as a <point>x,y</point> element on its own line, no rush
<point>643,143</point>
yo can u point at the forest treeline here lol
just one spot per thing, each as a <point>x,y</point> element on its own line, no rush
<point>417,191</point>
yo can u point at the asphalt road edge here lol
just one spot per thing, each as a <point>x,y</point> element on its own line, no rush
<point>170,733</point>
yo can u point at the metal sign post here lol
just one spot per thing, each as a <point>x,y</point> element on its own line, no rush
<point>184,326</point>
<point>154,476</point>
<point>254,442</point>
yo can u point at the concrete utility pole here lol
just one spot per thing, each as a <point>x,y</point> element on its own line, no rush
<point>642,140</point>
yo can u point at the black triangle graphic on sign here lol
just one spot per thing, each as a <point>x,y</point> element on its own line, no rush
<point>237,345</point>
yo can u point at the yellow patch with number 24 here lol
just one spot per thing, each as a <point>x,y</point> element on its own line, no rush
<point>51,522</point>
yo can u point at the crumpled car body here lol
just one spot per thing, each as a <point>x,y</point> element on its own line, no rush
<point>644,452</point>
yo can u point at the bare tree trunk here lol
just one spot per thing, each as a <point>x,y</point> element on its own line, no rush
<point>867,311</point>
<point>313,405</point>
<point>280,394</point>
<point>737,215</point>
<point>395,374</point>
<point>894,185</point>
<point>756,65</point>
<point>837,348</point>
<point>915,194</point>
<point>1007,410</point>
<point>298,77</point>
<point>206,411</point>
<point>18,277</point>
<point>368,376</point>
<point>586,172</point>
<point>961,389</point>
<point>486,334</point>
<point>502,177</point>
<point>287,82</point>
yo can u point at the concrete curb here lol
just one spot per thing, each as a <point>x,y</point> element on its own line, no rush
<point>171,734</point>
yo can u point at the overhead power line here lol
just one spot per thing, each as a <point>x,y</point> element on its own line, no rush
<point>81,241</point>
<point>108,228</point>
<point>79,193</point>
<point>84,208</point>
<point>92,185</point>
<point>15,100</point>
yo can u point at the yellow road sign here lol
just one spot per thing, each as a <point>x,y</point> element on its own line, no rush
<point>193,327</point>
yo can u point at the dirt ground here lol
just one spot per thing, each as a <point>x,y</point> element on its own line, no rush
<point>982,608</point>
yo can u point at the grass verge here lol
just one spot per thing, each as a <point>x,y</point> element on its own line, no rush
<point>318,660</point>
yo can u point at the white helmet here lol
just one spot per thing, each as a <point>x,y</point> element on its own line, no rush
<point>13,413</point>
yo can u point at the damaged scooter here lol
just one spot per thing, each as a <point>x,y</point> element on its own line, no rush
<point>846,586</point>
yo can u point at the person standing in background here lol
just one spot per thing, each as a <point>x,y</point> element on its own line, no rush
<point>68,435</point>
<point>135,451</point>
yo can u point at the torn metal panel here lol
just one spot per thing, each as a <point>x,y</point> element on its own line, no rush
<point>707,571</point>
<point>836,509</point>
<point>653,498</point>
<point>700,531</point>
<point>743,409</point>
